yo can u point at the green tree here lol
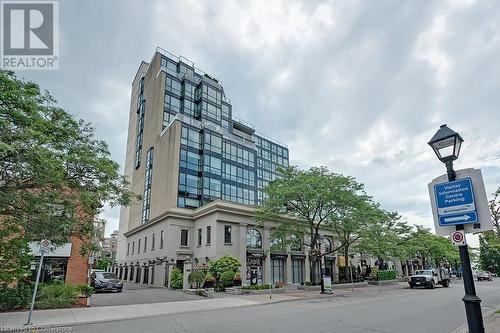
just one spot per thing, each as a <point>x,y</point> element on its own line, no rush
<point>103,263</point>
<point>433,250</point>
<point>494,205</point>
<point>384,236</point>
<point>307,202</point>
<point>489,256</point>
<point>176,279</point>
<point>55,175</point>
<point>224,264</point>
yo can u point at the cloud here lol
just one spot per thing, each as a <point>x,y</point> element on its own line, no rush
<point>354,85</point>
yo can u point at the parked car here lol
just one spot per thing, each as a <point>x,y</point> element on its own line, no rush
<point>484,276</point>
<point>106,281</point>
<point>429,278</point>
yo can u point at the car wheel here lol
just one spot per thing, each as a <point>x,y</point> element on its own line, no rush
<point>118,290</point>
<point>432,285</point>
<point>412,286</point>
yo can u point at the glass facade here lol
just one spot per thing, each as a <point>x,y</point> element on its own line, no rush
<point>220,158</point>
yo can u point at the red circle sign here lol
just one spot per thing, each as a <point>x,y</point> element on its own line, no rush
<point>458,237</point>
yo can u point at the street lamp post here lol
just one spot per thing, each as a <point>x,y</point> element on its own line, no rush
<point>446,143</point>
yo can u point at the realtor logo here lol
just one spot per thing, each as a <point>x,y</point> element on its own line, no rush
<point>29,35</point>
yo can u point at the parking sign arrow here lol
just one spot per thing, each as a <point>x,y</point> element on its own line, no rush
<point>457,218</point>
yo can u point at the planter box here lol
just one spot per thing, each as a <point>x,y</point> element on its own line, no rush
<point>200,292</point>
<point>304,287</point>
<point>82,302</point>
<point>349,285</point>
<point>383,282</point>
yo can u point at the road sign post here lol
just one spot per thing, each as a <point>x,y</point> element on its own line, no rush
<point>45,247</point>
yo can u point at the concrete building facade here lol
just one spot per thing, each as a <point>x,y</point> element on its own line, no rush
<point>201,172</point>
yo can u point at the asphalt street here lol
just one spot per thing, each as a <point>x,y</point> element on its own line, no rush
<point>364,310</point>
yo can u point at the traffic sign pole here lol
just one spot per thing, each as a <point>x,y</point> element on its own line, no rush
<point>472,302</point>
<point>35,289</point>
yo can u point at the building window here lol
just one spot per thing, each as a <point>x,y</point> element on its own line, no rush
<point>326,244</point>
<point>133,247</point>
<point>254,239</point>
<point>212,165</point>
<point>227,234</point>
<point>211,187</point>
<point>184,237</point>
<point>190,137</point>
<point>173,86</point>
<point>189,183</point>
<point>295,243</point>
<point>141,108</point>
<point>278,270</point>
<point>162,234</point>
<point>199,237</point>
<point>145,243</point>
<point>298,271</point>
<point>139,246</point>
<point>148,180</point>
<point>128,248</point>
<point>153,242</point>
<point>209,234</point>
<point>213,143</point>
<point>190,160</point>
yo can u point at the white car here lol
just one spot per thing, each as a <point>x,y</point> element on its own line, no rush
<point>484,276</point>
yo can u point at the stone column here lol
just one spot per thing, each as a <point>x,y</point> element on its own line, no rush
<point>307,268</point>
<point>266,246</point>
<point>187,270</point>
<point>289,276</point>
<point>243,252</point>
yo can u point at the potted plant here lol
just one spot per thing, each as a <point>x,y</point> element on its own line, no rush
<point>237,280</point>
<point>209,281</point>
<point>85,292</point>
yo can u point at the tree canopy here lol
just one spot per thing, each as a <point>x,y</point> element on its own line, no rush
<point>55,176</point>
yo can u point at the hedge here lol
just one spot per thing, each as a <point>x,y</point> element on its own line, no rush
<point>386,275</point>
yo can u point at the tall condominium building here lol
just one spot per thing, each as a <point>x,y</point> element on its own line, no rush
<point>201,172</point>
<point>185,149</point>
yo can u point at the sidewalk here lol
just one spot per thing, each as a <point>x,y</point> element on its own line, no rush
<point>77,316</point>
<point>492,323</point>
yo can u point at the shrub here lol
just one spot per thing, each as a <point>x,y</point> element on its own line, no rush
<point>224,264</point>
<point>373,274</point>
<point>386,275</point>
<point>176,278</point>
<point>85,290</point>
<point>209,277</point>
<point>55,296</point>
<point>256,287</point>
<point>227,278</point>
<point>15,298</point>
<point>197,278</point>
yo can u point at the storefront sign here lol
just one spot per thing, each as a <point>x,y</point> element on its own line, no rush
<point>279,256</point>
<point>327,283</point>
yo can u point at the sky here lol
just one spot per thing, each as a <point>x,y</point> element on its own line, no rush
<point>357,86</point>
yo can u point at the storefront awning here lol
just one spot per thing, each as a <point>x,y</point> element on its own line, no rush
<point>58,251</point>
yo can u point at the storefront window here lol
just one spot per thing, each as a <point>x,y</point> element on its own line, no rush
<point>254,239</point>
<point>298,271</point>
<point>278,270</point>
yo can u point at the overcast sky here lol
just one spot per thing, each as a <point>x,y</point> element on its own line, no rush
<point>358,86</point>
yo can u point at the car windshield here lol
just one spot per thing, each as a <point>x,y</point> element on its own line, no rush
<point>423,273</point>
<point>106,275</point>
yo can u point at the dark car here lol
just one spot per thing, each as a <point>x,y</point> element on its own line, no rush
<point>105,281</point>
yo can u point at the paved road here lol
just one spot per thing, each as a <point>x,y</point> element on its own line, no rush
<point>138,294</point>
<point>365,310</point>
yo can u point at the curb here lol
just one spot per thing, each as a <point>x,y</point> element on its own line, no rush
<point>464,328</point>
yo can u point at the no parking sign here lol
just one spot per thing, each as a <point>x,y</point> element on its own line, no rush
<point>458,238</point>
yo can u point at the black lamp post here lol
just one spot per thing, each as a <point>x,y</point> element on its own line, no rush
<point>446,144</point>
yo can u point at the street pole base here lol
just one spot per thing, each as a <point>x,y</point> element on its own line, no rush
<point>471,299</point>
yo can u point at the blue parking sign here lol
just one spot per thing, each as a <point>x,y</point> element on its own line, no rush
<point>455,202</point>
